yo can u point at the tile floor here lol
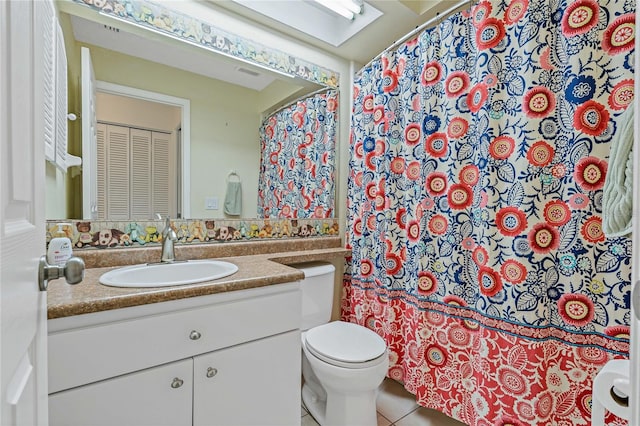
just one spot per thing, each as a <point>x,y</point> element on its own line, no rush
<point>397,407</point>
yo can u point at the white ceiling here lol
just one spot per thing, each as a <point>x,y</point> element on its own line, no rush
<point>198,61</point>
<point>397,19</point>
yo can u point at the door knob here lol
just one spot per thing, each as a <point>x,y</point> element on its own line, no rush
<point>73,272</point>
<point>635,299</point>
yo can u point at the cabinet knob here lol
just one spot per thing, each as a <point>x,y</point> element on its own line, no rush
<point>177,383</point>
<point>211,372</point>
<point>195,335</point>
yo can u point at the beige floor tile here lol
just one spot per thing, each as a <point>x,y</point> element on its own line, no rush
<point>394,402</point>
<point>308,420</point>
<point>427,417</point>
<point>383,421</point>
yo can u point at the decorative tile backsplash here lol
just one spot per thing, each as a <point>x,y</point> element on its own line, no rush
<point>110,234</point>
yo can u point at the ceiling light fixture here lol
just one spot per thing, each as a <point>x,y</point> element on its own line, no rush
<point>353,5</point>
<point>346,8</point>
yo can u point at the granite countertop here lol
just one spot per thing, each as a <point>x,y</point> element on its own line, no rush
<point>255,270</point>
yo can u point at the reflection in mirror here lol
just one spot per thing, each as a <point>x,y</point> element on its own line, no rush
<point>193,164</point>
<point>298,159</point>
<point>137,157</point>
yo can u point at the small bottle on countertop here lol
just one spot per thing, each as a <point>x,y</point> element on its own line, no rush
<point>60,249</point>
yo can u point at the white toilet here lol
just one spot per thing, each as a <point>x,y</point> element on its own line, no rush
<point>343,364</point>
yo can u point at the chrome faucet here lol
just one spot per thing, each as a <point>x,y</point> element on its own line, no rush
<point>169,237</point>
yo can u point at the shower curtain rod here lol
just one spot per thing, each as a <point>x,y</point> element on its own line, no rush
<point>308,95</point>
<point>439,16</point>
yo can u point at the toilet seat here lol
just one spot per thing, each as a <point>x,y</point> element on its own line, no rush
<point>347,345</point>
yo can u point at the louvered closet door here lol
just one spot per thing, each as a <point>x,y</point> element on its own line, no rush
<point>141,174</point>
<point>61,100</point>
<point>46,24</point>
<point>101,171</point>
<point>117,173</point>
<point>133,173</point>
<point>160,177</point>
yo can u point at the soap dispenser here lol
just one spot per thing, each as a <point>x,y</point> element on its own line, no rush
<point>60,249</point>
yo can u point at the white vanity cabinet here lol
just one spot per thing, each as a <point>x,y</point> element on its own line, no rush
<point>226,359</point>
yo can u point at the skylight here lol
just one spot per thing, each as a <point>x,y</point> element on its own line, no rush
<point>315,18</point>
<point>346,8</point>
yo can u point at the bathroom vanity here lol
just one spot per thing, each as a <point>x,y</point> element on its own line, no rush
<point>222,352</point>
<point>230,358</point>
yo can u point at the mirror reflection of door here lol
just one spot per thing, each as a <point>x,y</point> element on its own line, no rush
<point>89,190</point>
<point>137,158</point>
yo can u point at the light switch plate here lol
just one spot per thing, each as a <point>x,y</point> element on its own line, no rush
<point>211,203</point>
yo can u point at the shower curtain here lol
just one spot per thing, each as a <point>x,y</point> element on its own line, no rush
<point>297,164</point>
<point>478,154</point>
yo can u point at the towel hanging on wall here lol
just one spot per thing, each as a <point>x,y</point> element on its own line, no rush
<point>233,197</point>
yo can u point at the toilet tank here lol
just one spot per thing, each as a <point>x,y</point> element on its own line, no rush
<point>317,293</point>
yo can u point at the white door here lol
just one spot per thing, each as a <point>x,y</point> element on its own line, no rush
<point>23,372</point>
<point>89,137</point>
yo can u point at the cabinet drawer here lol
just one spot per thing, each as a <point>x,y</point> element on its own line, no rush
<point>90,354</point>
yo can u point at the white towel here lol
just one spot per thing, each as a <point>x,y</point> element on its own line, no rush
<point>617,197</point>
<point>233,199</point>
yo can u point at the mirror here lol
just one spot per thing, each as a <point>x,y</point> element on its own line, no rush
<point>226,108</point>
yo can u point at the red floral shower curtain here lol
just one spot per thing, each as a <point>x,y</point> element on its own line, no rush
<point>479,151</point>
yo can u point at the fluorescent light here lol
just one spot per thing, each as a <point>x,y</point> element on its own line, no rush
<point>340,7</point>
<point>353,6</point>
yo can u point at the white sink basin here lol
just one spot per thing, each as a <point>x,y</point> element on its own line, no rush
<point>168,274</point>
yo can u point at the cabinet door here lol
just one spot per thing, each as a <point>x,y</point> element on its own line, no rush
<point>157,396</point>
<point>255,383</point>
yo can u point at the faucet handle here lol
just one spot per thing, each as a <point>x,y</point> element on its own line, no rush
<point>168,233</point>
<point>167,225</point>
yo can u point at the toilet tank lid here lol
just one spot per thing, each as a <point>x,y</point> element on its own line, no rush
<point>313,269</point>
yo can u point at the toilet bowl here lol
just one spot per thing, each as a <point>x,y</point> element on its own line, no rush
<point>343,364</point>
<point>341,385</point>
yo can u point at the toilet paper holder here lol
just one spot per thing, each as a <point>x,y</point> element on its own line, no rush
<point>619,396</point>
<point>611,390</point>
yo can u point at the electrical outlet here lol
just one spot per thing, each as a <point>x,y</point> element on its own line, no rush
<point>211,203</point>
